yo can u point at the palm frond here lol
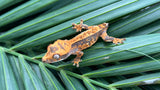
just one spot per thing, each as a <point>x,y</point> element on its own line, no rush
<point>27,27</point>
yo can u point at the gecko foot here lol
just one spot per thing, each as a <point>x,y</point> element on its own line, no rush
<point>118,40</point>
<point>76,62</point>
<point>80,26</point>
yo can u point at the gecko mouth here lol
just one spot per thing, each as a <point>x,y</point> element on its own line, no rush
<point>51,61</point>
<point>57,61</point>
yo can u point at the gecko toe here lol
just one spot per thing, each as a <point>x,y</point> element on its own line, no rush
<point>77,65</point>
<point>76,62</point>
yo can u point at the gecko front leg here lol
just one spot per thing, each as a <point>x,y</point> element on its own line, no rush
<point>107,38</point>
<point>78,58</point>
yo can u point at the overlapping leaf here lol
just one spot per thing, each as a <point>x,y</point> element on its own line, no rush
<point>53,18</point>
<point>77,83</point>
<point>101,15</point>
<point>69,85</point>
<point>153,27</point>
<point>29,77</point>
<point>16,70</point>
<point>135,21</point>
<point>145,79</point>
<point>7,78</point>
<point>24,10</point>
<point>49,79</point>
<point>7,3</point>
<point>89,85</point>
<point>128,68</point>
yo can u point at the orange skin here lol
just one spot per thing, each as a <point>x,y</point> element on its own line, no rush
<point>62,49</point>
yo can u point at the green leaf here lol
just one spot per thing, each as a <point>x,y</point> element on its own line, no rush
<point>50,19</point>
<point>37,70</point>
<point>16,70</point>
<point>141,65</point>
<point>150,28</point>
<point>58,31</point>
<point>30,79</point>
<point>39,56</point>
<point>107,13</point>
<point>49,79</point>
<point>7,77</point>
<point>128,68</point>
<point>69,85</point>
<point>27,27</point>
<point>24,10</point>
<point>7,3</point>
<point>137,80</point>
<point>77,83</point>
<point>88,85</point>
<point>135,21</point>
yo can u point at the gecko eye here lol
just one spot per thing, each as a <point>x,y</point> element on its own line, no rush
<point>56,56</point>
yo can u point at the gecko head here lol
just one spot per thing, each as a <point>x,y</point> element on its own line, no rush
<point>55,52</point>
<point>52,55</point>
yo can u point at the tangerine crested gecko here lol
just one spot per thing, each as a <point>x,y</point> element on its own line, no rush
<point>62,49</point>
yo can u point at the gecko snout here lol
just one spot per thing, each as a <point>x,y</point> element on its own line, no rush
<point>49,60</point>
<point>45,60</point>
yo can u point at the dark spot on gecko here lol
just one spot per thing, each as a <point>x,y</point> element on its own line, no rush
<point>108,38</point>
<point>65,56</point>
<point>87,40</point>
<point>61,46</point>
<point>53,49</point>
<point>65,44</point>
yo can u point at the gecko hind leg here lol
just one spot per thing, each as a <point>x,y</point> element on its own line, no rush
<point>80,26</point>
<point>78,58</point>
<point>107,38</point>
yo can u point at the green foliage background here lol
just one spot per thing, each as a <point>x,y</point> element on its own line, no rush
<point>28,27</point>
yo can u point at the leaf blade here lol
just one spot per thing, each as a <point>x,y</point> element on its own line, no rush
<point>69,85</point>
<point>58,30</point>
<point>9,81</point>
<point>50,80</point>
<point>23,11</point>
<point>136,80</point>
<point>31,81</point>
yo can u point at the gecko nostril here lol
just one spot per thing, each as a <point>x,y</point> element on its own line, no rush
<point>45,61</point>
